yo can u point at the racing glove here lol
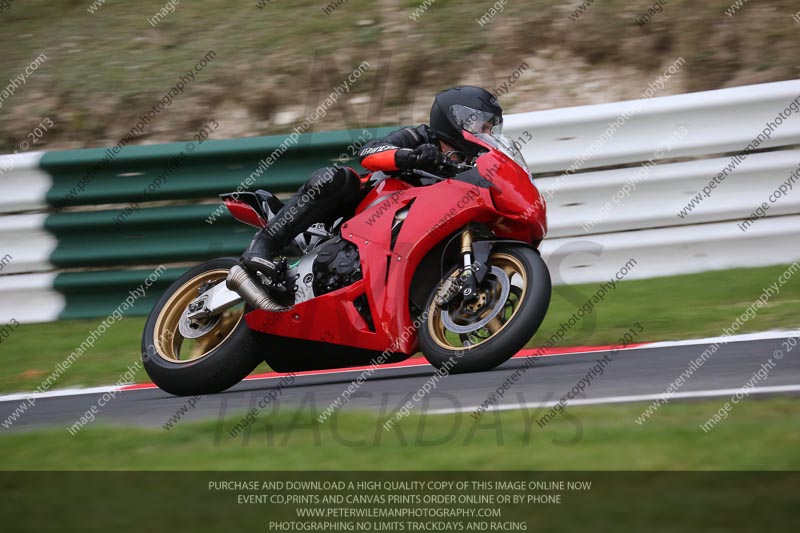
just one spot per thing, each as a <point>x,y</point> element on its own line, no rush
<point>424,157</point>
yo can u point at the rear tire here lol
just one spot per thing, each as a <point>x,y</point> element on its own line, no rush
<point>474,352</point>
<point>227,353</point>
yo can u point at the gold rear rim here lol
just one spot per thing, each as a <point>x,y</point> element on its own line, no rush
<point>174,347</point>
<point>487,302</point>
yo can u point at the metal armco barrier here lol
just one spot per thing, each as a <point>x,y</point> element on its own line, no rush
<point>75,250</point>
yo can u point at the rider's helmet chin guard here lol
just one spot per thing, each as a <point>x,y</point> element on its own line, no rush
<point>465,108</point>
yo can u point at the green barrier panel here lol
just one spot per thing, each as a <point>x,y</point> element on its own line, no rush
<point>98,294</point>
<point>81,177</point>
<point>148,236</point>
<point>135,236</point>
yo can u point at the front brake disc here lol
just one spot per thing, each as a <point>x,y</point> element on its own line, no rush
<point>505,289</point>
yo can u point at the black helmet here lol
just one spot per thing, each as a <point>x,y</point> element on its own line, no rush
<point>465,108</point>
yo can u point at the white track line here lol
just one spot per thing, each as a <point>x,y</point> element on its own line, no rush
<point>744,337</point>
<point>624,399</point>
<point>767,335</point>
<point>59,393</point>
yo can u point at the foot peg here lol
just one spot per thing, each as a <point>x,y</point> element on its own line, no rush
<point>253,292</point>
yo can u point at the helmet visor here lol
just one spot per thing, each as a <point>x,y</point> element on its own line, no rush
<point>475,120</point>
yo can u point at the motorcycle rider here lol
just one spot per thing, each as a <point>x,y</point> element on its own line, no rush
<point>333,192</point>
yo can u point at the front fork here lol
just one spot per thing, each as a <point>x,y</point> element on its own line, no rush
<point>474,267</point>
<point>469,284</point>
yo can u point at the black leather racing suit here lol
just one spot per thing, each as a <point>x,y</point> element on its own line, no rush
<point>338,189</point>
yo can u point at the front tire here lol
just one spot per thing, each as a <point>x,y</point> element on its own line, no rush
<point>513,302</point>
<point>225,353</point>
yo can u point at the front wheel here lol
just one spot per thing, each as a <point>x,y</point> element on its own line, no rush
<point>207,357</point>
<point>511,304</point>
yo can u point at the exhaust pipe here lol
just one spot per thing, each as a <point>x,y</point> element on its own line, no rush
<point>254,293</point>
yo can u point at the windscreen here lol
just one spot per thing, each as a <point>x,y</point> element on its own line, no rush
<point>505,145</point>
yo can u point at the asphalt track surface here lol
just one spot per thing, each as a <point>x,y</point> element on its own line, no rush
<point>632,374</point>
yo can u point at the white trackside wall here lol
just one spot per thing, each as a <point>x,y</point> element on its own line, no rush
<point>616,197</point>
<point>617,178</point>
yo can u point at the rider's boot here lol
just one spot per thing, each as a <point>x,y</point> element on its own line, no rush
<point>294,217</point>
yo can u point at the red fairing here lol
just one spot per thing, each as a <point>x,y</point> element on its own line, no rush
<point>330,318</point>
<point>244,213</point>
<point>436,212</point>
<point>387,190</point>
<point>513,194</point>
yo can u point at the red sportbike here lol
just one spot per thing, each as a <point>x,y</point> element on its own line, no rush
<point>450,269</point>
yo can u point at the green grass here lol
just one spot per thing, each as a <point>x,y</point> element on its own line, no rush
<point>32,351</point>
<point>680,307</point>
<point>675,308</point>
<point>136,58</point>
<point>106,68</point>
<point>758,435</point>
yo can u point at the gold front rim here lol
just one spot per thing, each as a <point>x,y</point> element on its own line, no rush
<point>487,302</point>
<point>170,344</point>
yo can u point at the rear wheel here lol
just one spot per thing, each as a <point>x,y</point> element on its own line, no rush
<point>511,304</point>
<point>191,358</point>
